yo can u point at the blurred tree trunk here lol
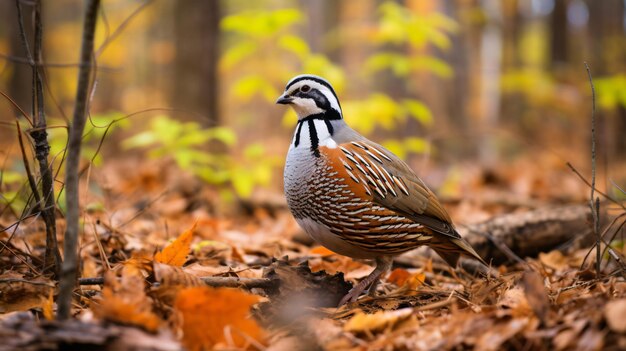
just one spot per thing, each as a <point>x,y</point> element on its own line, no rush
<point>606,30</point>
<point>323,18</point>
<point>490,73</point>
<point>196,86</point>
<point>20,83</point>
<point>559,34</point>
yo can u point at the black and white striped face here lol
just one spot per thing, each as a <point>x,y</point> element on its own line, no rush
<point>311,95</point>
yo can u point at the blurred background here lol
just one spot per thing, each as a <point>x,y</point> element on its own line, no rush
<point>473,94</point>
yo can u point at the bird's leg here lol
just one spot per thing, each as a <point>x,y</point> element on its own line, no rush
<point>382,265</point>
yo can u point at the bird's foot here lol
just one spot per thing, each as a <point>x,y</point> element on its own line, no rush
<point>354,293</point>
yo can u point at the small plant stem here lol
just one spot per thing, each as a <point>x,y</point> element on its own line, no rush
<point>69,268</point>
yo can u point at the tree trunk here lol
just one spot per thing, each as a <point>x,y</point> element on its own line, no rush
<point>196,84</point>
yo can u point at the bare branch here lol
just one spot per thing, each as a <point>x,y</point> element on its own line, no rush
<point>593,202</point>
<point>69,268</point>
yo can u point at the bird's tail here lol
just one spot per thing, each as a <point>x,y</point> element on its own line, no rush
<point>451,249</point>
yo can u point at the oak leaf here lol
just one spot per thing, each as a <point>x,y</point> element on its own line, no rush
<point>208,316</point>
<point>175,253</point>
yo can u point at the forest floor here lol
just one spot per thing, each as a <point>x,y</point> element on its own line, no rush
<point>154,243</point>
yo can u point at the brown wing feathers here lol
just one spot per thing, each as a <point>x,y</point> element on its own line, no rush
<point>379,176</point>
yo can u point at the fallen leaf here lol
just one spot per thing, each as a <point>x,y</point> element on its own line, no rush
<point>126,302</point>
<point>615,314</point>
<point>171,280</point>
<point>175,254</point>
<point>48,312</point>
<point>500,333</point>
<point>209,316</point>
<point>554,259</point>
<point>18,293</point>
<point>402,277</point>
<point>536,294</point>
<point>398,276</point>
<point>515,300</point>
<point>362,322</point>
<point>321,251</point>
<point>169,276</point>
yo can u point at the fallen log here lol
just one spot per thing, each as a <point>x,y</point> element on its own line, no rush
<point>507,238</point>
<point>529,233</point>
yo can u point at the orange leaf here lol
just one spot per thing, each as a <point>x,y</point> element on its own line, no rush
<point>322,251</point>
<point>213,315</point>
<point>48,312</point>
<point>398,276</point>
<point>175,254</point>
<point>126,302</point>
<point>402,277</point>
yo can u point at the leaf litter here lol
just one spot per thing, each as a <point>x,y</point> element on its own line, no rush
<point>155,263</point>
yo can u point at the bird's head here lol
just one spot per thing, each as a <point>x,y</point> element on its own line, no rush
<point>311,95</point>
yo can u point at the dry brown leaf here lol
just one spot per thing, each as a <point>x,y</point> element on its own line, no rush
<point>169,276</point>
<point>362,322</point>
<point>615,314</point>
<point>554,259</point>
<point>21,294</point>
<point>500,333</point>
<point>209,316</point>
<point>125,302</point>
<point>171,280</point>
<point>515,300</point>
<point>175,254</point>
<point>536,294</point>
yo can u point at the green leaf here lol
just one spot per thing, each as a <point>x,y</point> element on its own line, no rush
<point>249,86</point>
<point>9,177</point>
<point>431,64</point>
<point>243,183</point>
<point>416,145</point>
<point>419,111</point>
<point>395,147</point>
<point>142,139</point>
<point>295,45</point>
<point>237,53</point>
<point>224,134</point>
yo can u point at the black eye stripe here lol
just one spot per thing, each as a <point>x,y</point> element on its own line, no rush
<point>314,79</point>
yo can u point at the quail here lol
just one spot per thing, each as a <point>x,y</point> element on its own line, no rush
<point>352,195</point>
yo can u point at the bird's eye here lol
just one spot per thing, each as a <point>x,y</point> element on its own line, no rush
<point>305,88</point>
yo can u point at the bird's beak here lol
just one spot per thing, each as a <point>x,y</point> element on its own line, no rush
<point>284,99</point>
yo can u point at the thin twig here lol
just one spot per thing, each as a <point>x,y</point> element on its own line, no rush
<point>69,269</point>
<point>26,61</point>
<point>593,202</point>
<point>597,190</point>
<point>121,27</point>
<point>31,60</point>
<point>31,179</point>
<point>52,259</point>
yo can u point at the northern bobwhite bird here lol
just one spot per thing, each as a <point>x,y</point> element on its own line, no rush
<point>352,195</point>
